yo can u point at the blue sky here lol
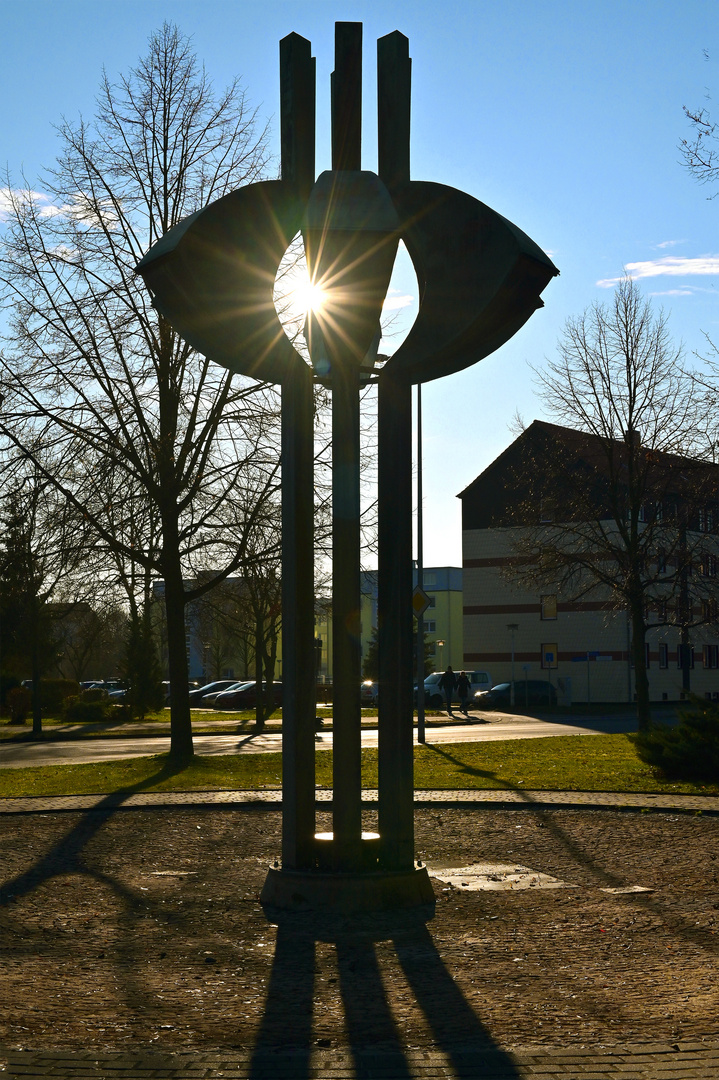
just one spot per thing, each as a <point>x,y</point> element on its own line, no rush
<point>563,116</point>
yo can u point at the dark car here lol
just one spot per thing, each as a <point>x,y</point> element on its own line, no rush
<point>197,696</point>
<point>527,692</point>
<point>245,697</point>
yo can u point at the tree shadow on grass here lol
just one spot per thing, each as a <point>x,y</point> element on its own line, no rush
<point>286,1038</point>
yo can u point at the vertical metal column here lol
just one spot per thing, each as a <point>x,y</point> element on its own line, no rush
<point>394,611</point>
<point>347,673</point>
<point>346,84</point>
<point>396,760</point>
<point>297,112</point>
<point>298,706</point>
<point>394,77</point>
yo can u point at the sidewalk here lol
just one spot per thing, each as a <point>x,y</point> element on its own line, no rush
<point>114,937</point>
<point>597,800</point>
<point>650,1061</point>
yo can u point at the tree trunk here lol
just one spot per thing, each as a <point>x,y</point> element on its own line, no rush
<point>260,696</point>
<point>641,679</point>
<point>36,690</point>
<point>181,748</point>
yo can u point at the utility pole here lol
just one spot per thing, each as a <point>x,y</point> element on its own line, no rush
<point>420,575</point>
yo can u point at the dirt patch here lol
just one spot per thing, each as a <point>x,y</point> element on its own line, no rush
<point>143,927</point>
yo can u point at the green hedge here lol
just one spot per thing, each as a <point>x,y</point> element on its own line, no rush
<point>689,751</point>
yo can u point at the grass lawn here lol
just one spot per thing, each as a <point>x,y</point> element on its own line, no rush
<point>564,763</point>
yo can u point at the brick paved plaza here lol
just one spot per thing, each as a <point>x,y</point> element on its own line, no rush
<point>134,945</point>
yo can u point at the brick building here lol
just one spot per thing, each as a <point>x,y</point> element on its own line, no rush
<point>582,645</point>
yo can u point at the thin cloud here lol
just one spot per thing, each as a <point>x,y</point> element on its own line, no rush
<point>394,303</point>
<point>670,243</point>
<point>10,198</point>
<point>669,266</point>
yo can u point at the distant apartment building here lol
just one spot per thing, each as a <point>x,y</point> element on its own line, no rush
<point>443,626</point>
<point>583,645</point>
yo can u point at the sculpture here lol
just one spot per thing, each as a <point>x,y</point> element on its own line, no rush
<point>480,278</point>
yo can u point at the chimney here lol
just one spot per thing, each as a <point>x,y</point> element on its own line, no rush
<point>633,438</point>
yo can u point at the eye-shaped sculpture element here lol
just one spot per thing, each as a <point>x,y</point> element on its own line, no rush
<point>213,275</point>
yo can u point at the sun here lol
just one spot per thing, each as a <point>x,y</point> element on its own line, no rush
<point>308,296</point>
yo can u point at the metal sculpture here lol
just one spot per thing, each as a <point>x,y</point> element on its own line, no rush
<point>480,278</point>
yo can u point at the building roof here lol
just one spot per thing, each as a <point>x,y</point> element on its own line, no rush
<point>546,450</point>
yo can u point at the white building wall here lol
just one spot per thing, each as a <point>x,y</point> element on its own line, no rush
<point>493,602</point>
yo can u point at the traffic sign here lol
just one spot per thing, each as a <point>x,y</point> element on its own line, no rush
<point>420,601</point>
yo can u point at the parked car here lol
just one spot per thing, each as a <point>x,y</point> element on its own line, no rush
<point>193,684</point>
<point>197,697</point>
<point>209,699</point>
<point>369,692</point>
<point>434,694</point>
<point>527,692</point>
<point>245,697</point>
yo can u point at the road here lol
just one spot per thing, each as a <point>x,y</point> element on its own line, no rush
<point>500,726</point>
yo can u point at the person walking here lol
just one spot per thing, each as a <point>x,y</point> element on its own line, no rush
<point>448,684</point>
<point>463,688</point>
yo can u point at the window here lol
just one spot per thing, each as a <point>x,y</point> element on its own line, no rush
<point>432,601</point>
<point>709,610</point>
<point>431,627</point>
<point>706,520</point>
<point>663,656</point>
<point>431,647</point>
<point>710,656</point>
<point>548,606</point>
<point>661,562</point>
<point>708,565</point>
<point>662,613</point>
<point>550,655</point>
<point>429,578</point>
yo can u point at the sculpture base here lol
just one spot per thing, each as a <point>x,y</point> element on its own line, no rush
<point>345,893</point>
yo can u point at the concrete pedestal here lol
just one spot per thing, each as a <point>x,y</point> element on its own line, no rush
<point>346,893</point>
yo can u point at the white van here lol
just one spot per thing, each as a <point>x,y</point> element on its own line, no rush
<point>434,695</point>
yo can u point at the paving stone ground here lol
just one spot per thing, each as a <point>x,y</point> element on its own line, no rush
<point>133,945</point>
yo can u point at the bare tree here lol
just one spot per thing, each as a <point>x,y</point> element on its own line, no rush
<point>139,426</point>
<point>617,504</point>
<point>43,544</point>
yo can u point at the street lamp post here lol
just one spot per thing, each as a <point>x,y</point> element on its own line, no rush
<point>512,627</point>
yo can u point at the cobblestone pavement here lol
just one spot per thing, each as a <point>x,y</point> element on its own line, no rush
<point>133,946</point>
<point>647,1061</point>
<point>598,799</point>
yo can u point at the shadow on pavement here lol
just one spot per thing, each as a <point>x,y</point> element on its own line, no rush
<point>373,1036</point>
<point>65,857</point>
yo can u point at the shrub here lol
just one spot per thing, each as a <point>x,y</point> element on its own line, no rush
<point>53,693</point>
<point>7,682</point>
<point>19,703</point>
<point>689,751</point>
<point>94,693</point>
<point>76,710</point>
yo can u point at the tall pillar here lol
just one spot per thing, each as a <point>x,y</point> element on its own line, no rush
<point>394,617</point>
<point>298,664</point>
<point>347,672</point>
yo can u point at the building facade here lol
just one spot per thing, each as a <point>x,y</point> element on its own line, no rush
<point>443,623</point>
<point>581,645</point>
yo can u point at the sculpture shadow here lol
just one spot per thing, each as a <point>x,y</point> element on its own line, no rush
<point>374,1039</point>
<point>603,877</point>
